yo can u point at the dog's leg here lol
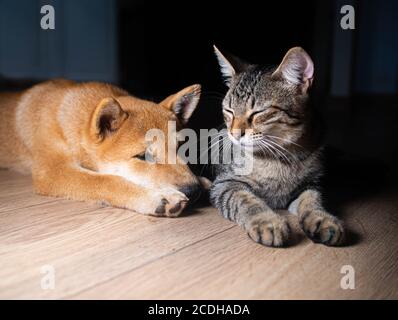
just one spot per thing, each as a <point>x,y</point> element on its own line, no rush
<point>57,178</point>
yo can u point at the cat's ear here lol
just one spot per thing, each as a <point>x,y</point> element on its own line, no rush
<point>230,65</point>
<point>296,68</point>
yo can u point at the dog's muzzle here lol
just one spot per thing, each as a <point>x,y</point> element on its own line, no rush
<point>193,192</point>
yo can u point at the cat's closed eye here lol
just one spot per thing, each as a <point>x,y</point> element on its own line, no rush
<point>228,114</point>
<point>229,111</point>
<point>255,114</point>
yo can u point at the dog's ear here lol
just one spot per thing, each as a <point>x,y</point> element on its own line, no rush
<point>296,68</point>
<point>230,65</point>
<point>184,102</point>
<point>108,117</point>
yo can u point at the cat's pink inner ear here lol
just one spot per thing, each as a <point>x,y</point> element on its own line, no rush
<point>296,67</point>
<point>309,70</point>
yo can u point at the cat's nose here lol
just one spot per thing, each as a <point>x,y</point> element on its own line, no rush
<point>238,134</point>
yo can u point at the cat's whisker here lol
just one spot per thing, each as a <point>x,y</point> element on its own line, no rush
<point>286,152</point>
<point>213,139</point>
<point>263,149</point>
<point>222,132</point>
<point>228,150</point>
<point>290,159</point>
<point>269,149</point>
<point>281,153</point>
<point>282,148</point>
<point>283,139</point>
<point>212,148</point>
<point>220,144</point>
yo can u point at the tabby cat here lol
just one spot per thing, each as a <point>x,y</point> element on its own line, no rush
<point>267,109</point>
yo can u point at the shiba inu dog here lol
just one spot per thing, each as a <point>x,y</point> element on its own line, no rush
<point>86,141</point>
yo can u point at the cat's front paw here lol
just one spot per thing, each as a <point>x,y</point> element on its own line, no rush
<point>271,231</point>
<point>322,227</point>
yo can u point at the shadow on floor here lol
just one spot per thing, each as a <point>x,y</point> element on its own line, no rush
<point>349,178</point>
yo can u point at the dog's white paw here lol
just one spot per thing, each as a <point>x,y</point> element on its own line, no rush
<point>171,203</point>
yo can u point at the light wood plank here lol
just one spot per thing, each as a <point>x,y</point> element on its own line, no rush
<point>16,192</point>
<point>230,266</point>
<point>87,244</point>
<point>102,252</point>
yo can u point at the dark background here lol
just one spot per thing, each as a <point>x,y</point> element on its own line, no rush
<point>155,48</point>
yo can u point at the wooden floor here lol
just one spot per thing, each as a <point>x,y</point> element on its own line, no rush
<point>108,253</point>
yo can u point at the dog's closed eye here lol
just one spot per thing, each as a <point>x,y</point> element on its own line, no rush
<point>145,156</point>
<point>140,156</point>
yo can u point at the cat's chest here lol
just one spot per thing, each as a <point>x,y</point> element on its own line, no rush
<point>274,175</point>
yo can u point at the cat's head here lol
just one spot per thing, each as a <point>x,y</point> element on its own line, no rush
<point>266,108</point>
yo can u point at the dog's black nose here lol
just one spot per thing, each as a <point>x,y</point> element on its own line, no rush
<point>192,192</point>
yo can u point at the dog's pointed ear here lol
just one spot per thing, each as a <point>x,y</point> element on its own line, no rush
<point>107,118</point>
<point>184,102</point>
<point>296,68</point>
<point>230,65</point>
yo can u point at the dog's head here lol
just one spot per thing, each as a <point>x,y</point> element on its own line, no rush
<point>119,129</point>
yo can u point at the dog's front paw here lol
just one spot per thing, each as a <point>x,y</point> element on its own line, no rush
<point>271,231</point>
<point>171,203</point>
<point>322,227</point>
